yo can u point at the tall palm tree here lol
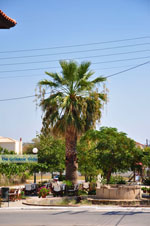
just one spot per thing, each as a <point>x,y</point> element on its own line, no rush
<point>72,107</point>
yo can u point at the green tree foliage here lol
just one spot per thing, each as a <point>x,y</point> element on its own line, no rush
<point>114,150</point>
<point>51,154</point>
<point>4,151</point>
<point>87,159</point>
<point>11,170</point>
<point>72,107</point>
<point>146,156</point>
<point>51,157</point>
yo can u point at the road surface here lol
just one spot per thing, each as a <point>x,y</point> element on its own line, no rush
<point>75,217</point>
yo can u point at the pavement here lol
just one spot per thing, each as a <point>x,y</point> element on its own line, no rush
<point>18,205</point>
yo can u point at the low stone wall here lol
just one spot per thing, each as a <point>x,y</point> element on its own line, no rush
<point>46,201</point>
<point>118,192</point>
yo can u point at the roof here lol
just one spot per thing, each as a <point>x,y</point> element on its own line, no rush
<point>140,145</point>
<point>5,21</point>
<point>6,140</point>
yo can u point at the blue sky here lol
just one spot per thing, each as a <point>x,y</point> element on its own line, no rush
<point>45,24</point>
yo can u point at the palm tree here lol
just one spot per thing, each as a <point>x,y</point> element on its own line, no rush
<point>72,107</point>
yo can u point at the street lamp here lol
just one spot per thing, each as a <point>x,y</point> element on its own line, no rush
<point>35,151</point>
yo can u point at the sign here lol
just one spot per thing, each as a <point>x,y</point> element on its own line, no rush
<point>18,158</point>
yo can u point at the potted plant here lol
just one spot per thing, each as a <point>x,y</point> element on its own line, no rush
<point>144,189</point>
<point>148,190</point>
<point>43,192</point>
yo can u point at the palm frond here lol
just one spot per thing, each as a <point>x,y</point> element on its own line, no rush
<point>73,101</point>
<point>48,83</point>
<point>83,69</point>
<point>69,70</point>
<point>99,79</point>
<point>102,96</point>
<point>57,78</point>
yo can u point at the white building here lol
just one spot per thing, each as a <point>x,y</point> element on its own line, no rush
<point>11,144</point>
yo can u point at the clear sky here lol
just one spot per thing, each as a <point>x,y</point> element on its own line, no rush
<point>46,24</point>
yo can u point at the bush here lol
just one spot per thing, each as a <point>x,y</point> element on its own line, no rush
<point>144,189</point>
<point>68,183</point>
<point>22,195</point>
<point>82,192</point>
<point>115,180</point>
<point>92,192</point>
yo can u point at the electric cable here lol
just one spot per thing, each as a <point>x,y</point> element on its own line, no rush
<point>120,72</point>
<point>102,62</point>
<point>79,58</point>
<point>77,45</point>
<point>77,51</point>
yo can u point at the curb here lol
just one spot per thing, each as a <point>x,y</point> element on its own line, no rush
<point>104,208</point>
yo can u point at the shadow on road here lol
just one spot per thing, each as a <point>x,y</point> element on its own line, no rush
<point>123,213</point>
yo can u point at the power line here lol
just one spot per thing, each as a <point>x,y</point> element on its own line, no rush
<point>22,76</point>
<point>79,58</point>
<point>77,45</point>
<point>127,59</point>
<point>77,51</point>
<point>18,98</point>
<point>102,62</point>
<point>120,72</point>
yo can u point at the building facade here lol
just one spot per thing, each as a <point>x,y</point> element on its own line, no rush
<point>11,144</point>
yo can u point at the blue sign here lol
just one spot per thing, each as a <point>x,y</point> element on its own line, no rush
<point>18,158</point>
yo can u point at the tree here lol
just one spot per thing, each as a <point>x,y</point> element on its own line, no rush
<point>146,156</point>
<point>114,150</point>
<point>51,154</point>
<point>72,107</point>
<point>87,159</point>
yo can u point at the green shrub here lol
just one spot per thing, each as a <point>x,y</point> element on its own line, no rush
<point>65,201</point>
<point>68,183</point>
<point>92,192</point>
<point>144,189</point>
<point>115,180</point>
<point>22,195</point>
<point>82,192</point>
<point>86,202</point>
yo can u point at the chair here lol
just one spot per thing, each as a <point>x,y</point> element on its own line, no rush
<point>71,190</point>
<point>13,194</point>
<point>30,189</point>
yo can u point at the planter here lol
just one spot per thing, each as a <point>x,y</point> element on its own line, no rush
<point>118,192</point>
<point>43,192</point>
<point>43,196</point>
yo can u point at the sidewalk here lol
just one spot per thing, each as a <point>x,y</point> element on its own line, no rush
<point>18,205</point>
<point>12,204</point>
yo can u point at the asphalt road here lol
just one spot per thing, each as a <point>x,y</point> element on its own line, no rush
<point>75,217</point>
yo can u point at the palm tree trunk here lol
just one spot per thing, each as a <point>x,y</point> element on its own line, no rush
<point>108,175</point>
<point>71,155</point>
